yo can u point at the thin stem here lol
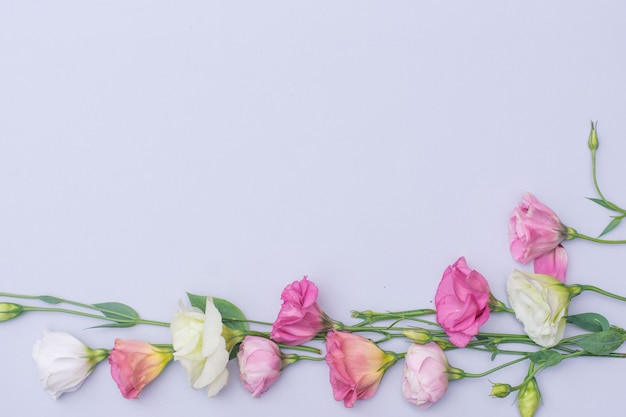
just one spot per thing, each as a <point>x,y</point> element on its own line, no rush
<point>95,316</point>
<point>57,300</point>
<point>495,369</point>
<point>601,291</point>
<point>572,235</point>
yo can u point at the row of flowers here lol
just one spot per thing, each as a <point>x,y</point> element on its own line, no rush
<point>208,332</point>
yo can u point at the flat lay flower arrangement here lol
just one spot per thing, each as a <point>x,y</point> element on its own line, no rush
<point>208,332</point>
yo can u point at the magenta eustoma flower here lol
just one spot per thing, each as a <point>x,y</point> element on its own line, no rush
<point>462,302</point>
<point>135,364</point>
<point>356,364</point>
<point>534,230</point>
<point>260,364</point>
<point>425,376</point>
<point>300,318</point>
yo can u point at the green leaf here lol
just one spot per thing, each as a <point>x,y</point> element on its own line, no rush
<point>602,343</point>
<point>232,317</point>
<point>605,204</point>
<point>125,315</point>
<point>546,357</point>
<point>50,299</point>
<point>593,322</point>
<point>612,225</point>
<point>197,301</point>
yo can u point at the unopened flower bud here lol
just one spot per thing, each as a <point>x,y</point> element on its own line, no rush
<point>10,311</point>
<point>529,398</point>
<point>500,390</point>
<point>419,336</point>
<point>593,138</point>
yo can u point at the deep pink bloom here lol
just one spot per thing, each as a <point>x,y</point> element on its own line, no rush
<point>260,363</point>
<point>425,377</point>
<point>357,366</point>
<point>552,263</point>
<point>534,230</point>
<point>462,302</point>
<point>135,364</point>
<point>300,318</point>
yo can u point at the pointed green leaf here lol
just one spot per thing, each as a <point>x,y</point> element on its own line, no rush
<point>612,225</point>
<point>118,312</point>
<point>546,357</point>
<point>197,301</point>
<point>593,322</point>
<point>605,204</point>
<point>50,299</point>
<point>232,317</point>
<point>602,343</point>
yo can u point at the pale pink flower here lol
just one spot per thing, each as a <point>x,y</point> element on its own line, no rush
<point>462,302</point>
<point>260,363</point>
<point>553,263</point>
<point>425,377</point>
<point>357,366</point>
<point>300,318</point>
<point>534,230</point>
<point>135,364</point>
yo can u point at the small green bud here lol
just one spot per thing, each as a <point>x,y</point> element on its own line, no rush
<point>500,390</point>
<point>10,311</point>
<point>529,398</point>
<point>593,137</point>
<point>419,336</point>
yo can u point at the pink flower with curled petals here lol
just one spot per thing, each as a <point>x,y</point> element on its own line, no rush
<point>300,318</point>
<point>534,230</point>
<point>553,263</point>
<point>135,364</point>
<point>425,377</point>
<point>462,302</point>
<point>260,364</point>
<point>356,364</point>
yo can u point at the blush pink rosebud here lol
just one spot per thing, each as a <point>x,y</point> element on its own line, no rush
<point>425,377</point>
<point>553,263</point>
<point>356,364</point>
<point>462,302</point>
<point>300,318</point>
<point>135,364</point>
<point>260,363</point>
<point>534,230</point>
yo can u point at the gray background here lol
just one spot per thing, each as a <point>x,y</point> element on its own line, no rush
<point>229,148</point>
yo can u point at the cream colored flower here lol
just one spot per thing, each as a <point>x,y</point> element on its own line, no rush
<point>200,347</point>
<point>64,362</point>
<point>540,302</point>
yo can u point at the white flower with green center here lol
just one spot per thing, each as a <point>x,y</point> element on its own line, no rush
<point>200,347</point>
<point>540,302</point>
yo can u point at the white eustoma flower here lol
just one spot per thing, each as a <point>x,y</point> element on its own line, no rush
<point>200,347</point>
<point>64,362</point>
<point>540,302</point>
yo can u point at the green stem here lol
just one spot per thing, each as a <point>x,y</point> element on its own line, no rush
<point>95,316</point>
<point>495,369</point>
<point>600,291</point>
<point>574,234</point>
<point>57,300</point>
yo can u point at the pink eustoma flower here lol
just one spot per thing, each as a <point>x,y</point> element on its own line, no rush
<point>425,377</point>
<point>300,318</point>
<point>534,230</point>
<point>135,364</point>
<point>462,302</point>
<point>260,363</point>
<point>356,364</point>
<point>553,263</point>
